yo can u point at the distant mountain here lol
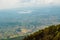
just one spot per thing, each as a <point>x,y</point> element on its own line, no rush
<point>49,33</point>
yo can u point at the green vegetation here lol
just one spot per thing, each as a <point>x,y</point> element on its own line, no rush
<point>49,33</point>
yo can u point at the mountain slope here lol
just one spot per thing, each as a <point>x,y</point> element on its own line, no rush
<point>50,33</point>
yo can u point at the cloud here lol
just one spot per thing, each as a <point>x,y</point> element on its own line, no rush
<point>6,4</point>
<point>25,12</point>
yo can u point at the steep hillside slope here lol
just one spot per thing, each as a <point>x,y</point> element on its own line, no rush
<point>49,33</point>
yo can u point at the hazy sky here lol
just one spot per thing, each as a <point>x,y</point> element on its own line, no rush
<point>7,4</point>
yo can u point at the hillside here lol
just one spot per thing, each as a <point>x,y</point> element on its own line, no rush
<point>49,33</point>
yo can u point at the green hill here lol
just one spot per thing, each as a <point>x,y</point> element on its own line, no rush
<point>49,33</point>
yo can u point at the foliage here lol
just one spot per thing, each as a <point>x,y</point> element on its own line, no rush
<point>50,33</point>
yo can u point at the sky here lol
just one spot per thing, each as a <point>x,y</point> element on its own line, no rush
<point>9,4</point>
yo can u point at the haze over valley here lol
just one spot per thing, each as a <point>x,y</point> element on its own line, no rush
<point>22,17</point>
<point>25,21</point>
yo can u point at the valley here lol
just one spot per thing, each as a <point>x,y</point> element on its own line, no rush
<point>14,23</point>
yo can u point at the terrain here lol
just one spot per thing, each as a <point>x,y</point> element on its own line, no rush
<point>49,33</point>
<point>21,22</point>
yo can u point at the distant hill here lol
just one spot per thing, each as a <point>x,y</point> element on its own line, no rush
<point>49,33</point>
